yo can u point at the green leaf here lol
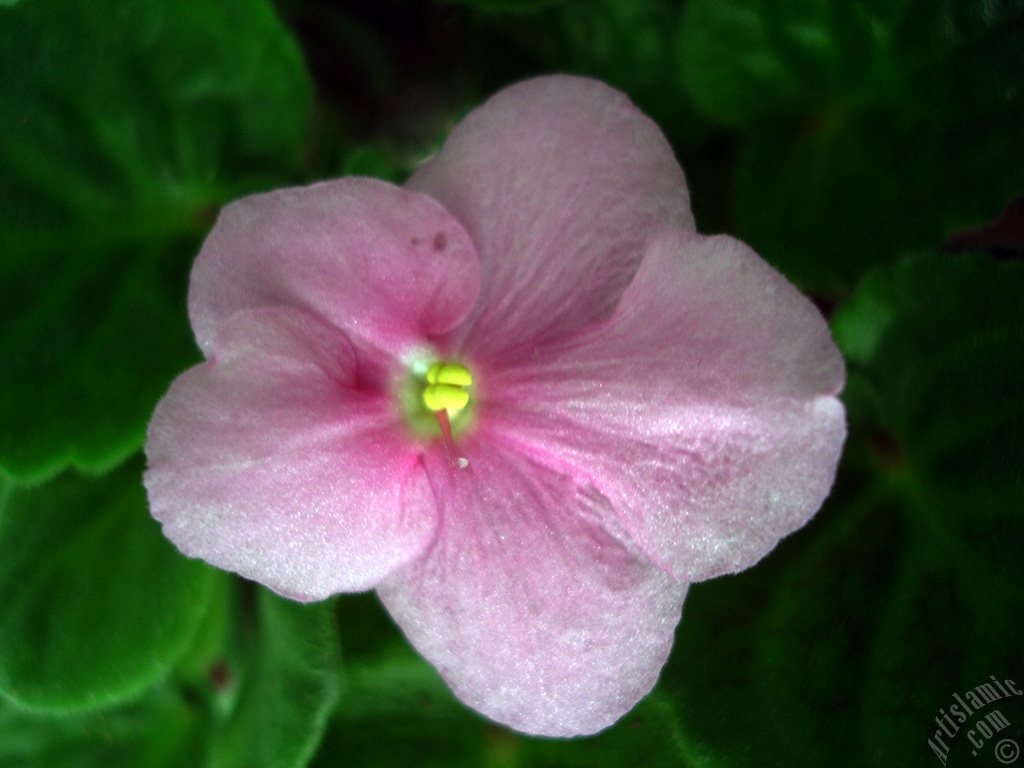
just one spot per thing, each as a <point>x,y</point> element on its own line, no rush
<point>125,127</point>
<point>869,128</point>
<point>373,160</point>
<point>288,690</point>
<point>97,604</point>
<point>647,736</point>
<point>157,732</point>
<point>396,709</point>
<point>744,59</point>
<point>845,645</point>
<point>398,712</point>
<point>160,731</point>
<point>942,342</point>
<point>629,45</point>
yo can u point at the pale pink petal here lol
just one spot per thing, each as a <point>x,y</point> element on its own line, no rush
<point>559,181</point>
<point>267,461</point>
<point>704,409</point>
<point>532,603</point>
<point>705,491</point>
<point>384,264</point>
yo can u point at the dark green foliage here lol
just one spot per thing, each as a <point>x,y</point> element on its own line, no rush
<point>289,684</point>
<point>836,136</point>
<point>867,128</point>
<point>125,126</point>
<point>98,605</point>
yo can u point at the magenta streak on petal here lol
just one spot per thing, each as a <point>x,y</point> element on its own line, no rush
<point>265,461</point>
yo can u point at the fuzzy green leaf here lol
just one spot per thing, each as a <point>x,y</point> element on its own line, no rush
<point>869,127</point>
<point>98,605</point>
<point>629,45</point>
<point>125,127</point>
<point>160,731</point>
<point>288,689</point>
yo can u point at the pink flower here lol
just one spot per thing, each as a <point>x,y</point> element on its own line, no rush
<point>648,407</point>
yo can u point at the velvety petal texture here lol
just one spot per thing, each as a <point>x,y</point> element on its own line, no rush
<point>647,407</point>
<point>384,263</point>
<point>559,181</point>
<point>704,408</point>
<point>267,461</point>
<point>532,602</point>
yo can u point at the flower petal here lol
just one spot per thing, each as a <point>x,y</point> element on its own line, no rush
<point>536,609</point>
<point>703,409</point>
<point>382,263</point>
<point>704,491</point>
<point>267,462</point>
<point>559,180</point>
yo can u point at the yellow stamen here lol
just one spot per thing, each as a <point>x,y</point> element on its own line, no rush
<point>449,373</point>
<point>445,394</point>
<point>445,387</point>
<point>445,397</point>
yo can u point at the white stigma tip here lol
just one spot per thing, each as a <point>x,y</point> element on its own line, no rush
<point>463,462</point>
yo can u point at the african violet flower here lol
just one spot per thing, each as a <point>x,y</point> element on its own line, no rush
<point>520,397</point>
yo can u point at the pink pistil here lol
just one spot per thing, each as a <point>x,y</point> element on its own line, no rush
<point>446,435</point>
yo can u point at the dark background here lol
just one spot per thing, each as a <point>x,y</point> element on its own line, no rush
<point>867,149</point>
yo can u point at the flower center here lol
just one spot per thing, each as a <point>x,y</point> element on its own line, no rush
<point>437,400</point>
<point>446,395</point>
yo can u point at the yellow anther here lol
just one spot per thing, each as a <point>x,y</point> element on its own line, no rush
<point>445,390</point>
<point>449,373</point>
<point>445,397</point>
